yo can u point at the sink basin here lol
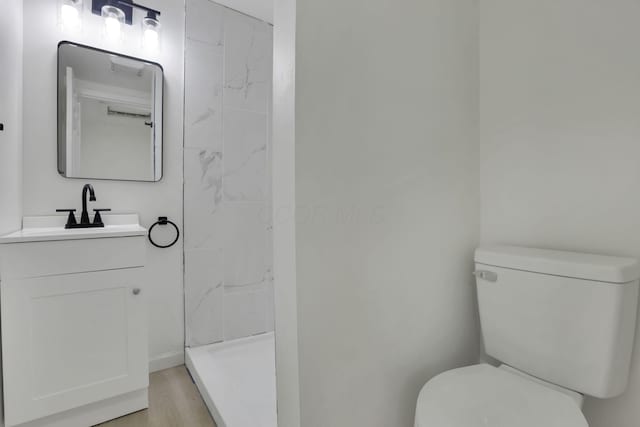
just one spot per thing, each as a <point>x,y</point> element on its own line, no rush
<point>49,228</point>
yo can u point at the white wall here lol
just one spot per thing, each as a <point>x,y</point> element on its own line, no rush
<point>387,201</point>
<point>560,137</point>
<point>11,116</point>
<point>11,45</point>
<point>45,190</point>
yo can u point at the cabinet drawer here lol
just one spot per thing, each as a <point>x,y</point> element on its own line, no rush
<point>37,259</point>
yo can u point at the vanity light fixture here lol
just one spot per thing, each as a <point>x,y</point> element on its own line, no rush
<point>120,12</point>
<point>70,13</point>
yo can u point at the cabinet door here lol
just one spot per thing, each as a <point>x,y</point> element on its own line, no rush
<point>70,340</point>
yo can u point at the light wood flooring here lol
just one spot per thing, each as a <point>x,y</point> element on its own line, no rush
<point>174,401</point>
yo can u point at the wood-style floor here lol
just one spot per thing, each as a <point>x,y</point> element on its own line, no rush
<point>174,401</point>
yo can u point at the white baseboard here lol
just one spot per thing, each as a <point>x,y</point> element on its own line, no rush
<point>97,412</point>
<point>166,361</point>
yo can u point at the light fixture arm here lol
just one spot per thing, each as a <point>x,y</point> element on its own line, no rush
<point>126,6</point>
<point>117,12</point>
<point>151,13</point>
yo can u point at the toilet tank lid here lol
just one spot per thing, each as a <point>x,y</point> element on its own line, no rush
<point>560,263</point>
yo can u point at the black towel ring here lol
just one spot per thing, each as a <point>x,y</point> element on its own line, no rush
<point>162,220</point>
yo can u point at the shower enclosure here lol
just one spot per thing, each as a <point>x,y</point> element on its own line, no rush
<point>227,213</point>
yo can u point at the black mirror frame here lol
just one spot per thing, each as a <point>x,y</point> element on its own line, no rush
<point>58,154</point>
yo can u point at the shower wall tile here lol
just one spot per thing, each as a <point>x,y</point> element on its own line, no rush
<point>227,190</point>
<point>204,297</point>
<point>203,96</point>
<point>204,22</point>
<point>246,254</point>
<point>248,57</point>
<point>245,313</point>
<point>202,197</point>
<point>245,146</point>
<point>270,305</point>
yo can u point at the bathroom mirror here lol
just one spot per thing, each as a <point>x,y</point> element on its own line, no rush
<point>109,115</point>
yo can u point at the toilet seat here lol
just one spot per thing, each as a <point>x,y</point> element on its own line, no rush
<point>482,395</point>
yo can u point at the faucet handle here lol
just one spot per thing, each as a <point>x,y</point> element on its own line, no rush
<point>71,219</point>
<point>97,219</point>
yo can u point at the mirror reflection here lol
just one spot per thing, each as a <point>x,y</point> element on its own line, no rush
<point>109,115</point>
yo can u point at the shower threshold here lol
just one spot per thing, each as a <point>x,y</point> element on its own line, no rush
<point>237,380</point>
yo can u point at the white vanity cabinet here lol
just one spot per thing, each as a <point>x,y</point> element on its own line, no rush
<point>74,325</point>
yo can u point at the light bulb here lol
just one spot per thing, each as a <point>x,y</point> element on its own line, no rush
<point>113,19</point>
<point>150,39</point>
<point>70,14</point>
<point>150,32</point>
<point>112,28</point>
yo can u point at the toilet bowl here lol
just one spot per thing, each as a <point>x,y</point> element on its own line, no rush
<point>482,395</point>
<point>561,323</point>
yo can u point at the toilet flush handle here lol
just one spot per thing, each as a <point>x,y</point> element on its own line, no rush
<point>489,276</point>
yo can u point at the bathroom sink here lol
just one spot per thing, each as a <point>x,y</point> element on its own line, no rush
<point>49,228</point>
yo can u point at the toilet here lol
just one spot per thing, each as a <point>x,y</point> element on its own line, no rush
<point>560,326</point>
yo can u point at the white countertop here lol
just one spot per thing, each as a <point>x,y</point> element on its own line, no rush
<point>48,228</point>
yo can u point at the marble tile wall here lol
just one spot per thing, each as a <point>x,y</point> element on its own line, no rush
<point>227,222</point>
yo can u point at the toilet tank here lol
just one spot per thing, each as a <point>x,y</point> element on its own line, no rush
<point>564,317</point>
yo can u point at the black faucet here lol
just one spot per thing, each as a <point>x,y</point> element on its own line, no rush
<point>84,217</point>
